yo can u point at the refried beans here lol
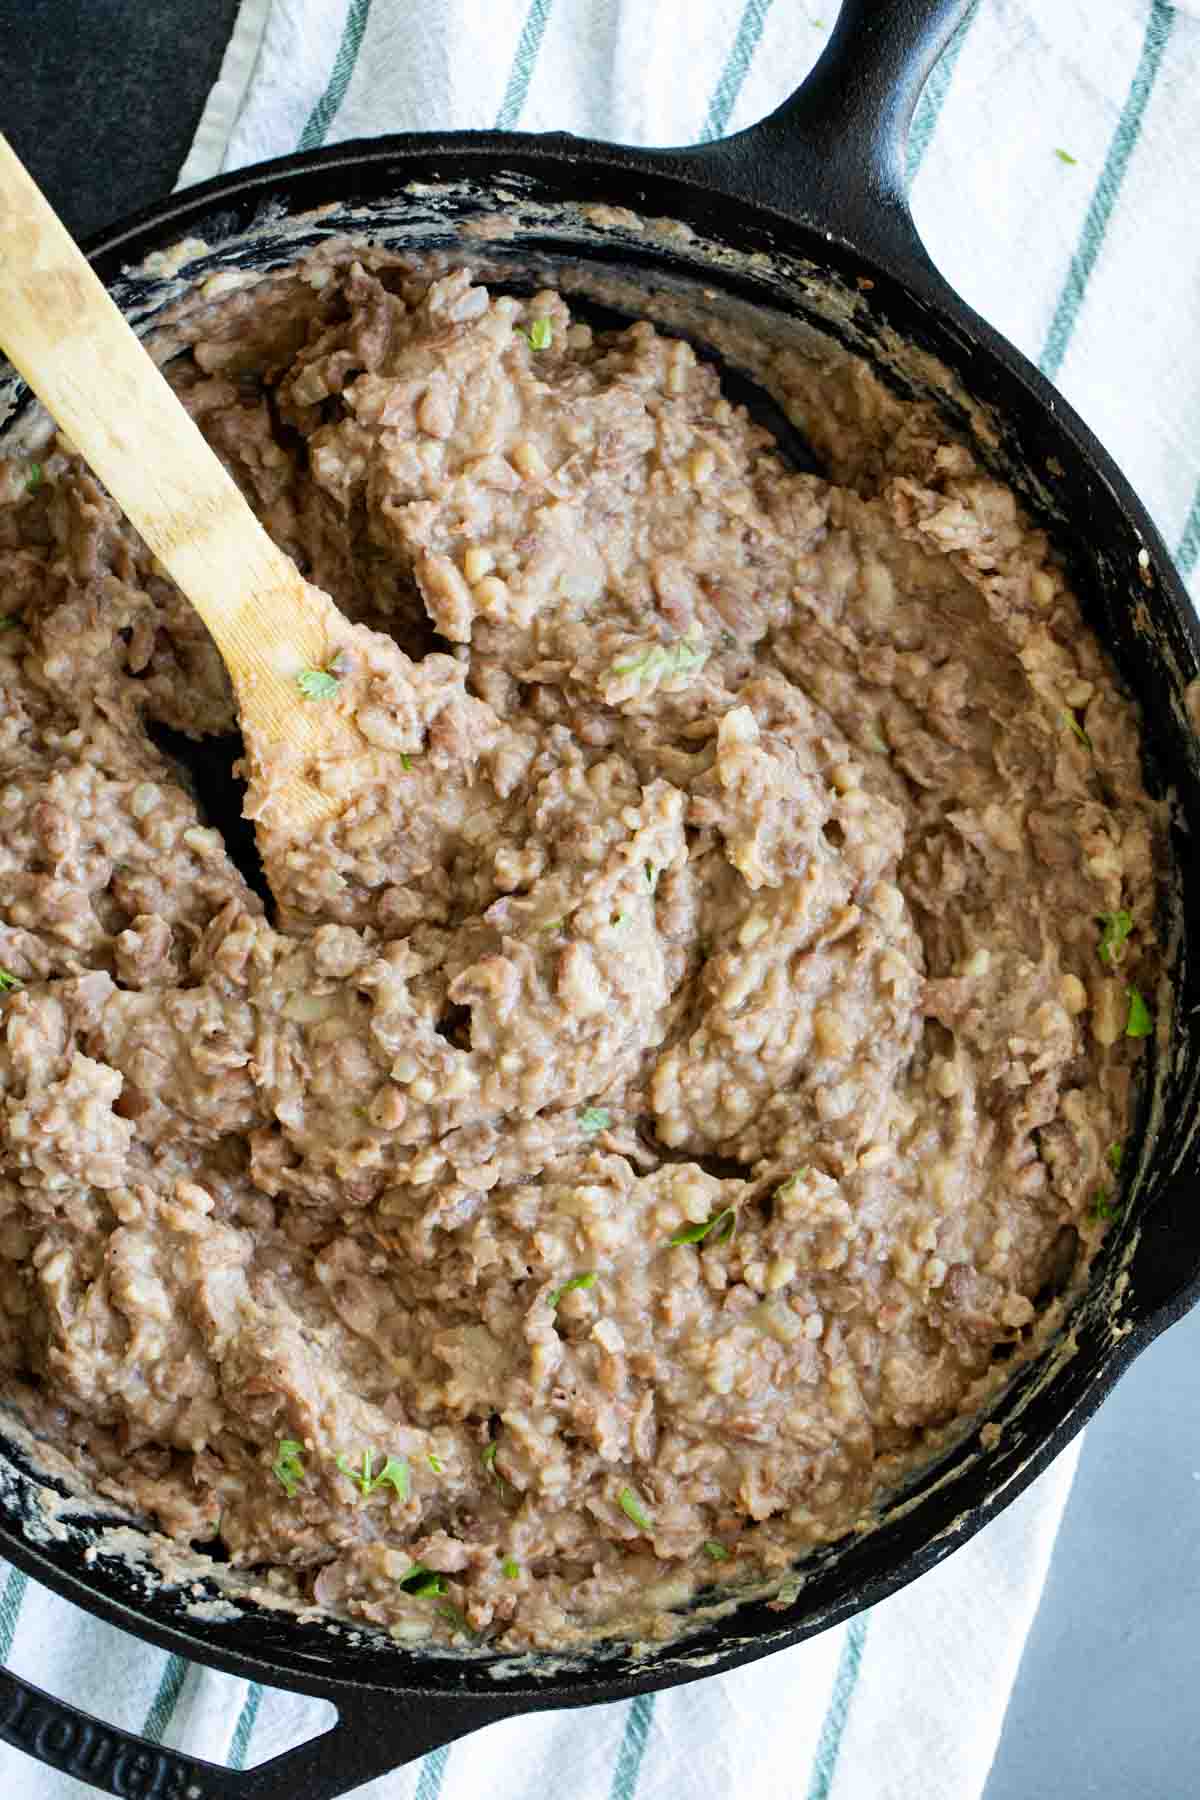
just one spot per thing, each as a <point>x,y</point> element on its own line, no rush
<point>618,1148</point>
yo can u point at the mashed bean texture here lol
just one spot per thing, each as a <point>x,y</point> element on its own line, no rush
<point>655,1105</point>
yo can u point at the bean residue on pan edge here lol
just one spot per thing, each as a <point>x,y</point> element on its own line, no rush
<point>602,1162</point>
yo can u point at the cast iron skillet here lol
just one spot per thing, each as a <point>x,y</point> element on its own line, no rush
<point>817,191</point>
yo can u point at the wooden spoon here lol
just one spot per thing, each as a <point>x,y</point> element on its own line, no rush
<point>66,338</point>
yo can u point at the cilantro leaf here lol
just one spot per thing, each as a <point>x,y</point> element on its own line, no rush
<point>394,1472</point>
<point>35,477</point>
<point>1115,928</point>
<point>722,1223</point>
<point>540,334</point>
<point>423,1583</point>
<point>405,761</point>
<point>787,1188</point>
<point>1064,156</point>
<point>288,1469</point>
<point>633,1509</point>
<point>1102,1206</point>
<point>1073,725</point>
<point>510,1569</point>
<point>487,1457</point>
<point>436,1463</point>
<point>1115,1156</point>
<point>9,982</point>
<point>317,684</point>
<point>595,1118</point>
<point>1139,1024</point>
<point>661,661</point>
<point>716,1551</point>
<point>576,1281</point>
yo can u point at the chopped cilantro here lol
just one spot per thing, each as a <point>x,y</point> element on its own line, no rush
<point>422,1582</point>
<point>394,1471</point>
<point>661,661</point>
<point>540,335</point>
<point>633,1509</point>
<point>1064,156</point>
<point>722,1223</point>
<point>595,1118</point>
<point>405,761</point>
<point>1115,1157</point>
<point>718,1552</point>
<point>9,982</point>
<point>510,1569</point>
<point>317,684</point>
<point>651,876</point>
<point>1074,725</point>
<point>788,1187</point>
<point>576,1281</point>
<point>487,1457</point>
<point>436,1463</point>
<point>1115,927</point>
<point>1139,1024</point>
<point>287,1468</point>
<point>35,477</point>
<point>1102,1206</point>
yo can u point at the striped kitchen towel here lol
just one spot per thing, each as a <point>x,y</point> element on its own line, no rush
<point>1054,157</point>
<point>1054,154</point>
<point>904,1703</point>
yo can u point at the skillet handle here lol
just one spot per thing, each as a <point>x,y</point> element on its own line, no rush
<point>372,1737</point>
<point>835,154</point>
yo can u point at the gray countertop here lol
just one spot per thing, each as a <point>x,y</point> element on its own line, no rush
<point>1107,1701</point>
<point>101,97</point>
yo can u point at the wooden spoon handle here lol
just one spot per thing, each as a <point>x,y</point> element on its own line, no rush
<point>65,336</point>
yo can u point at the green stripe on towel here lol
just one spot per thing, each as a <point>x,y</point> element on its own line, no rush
<point>628,1765</point>
<point>524,63</point>
<point>933,96</point>
<point>162,1707</point>
<point>433,1773</point>
<point>245,1726</point>
<point>326,110</point>
<point>829,1743</point>
<point>10,1609</point>
<point>737,67</point>
<point>1188,553</point>
<point>1107,191</point>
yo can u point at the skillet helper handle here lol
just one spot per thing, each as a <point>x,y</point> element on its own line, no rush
<point>372,1737</point>
<point>835,154</point>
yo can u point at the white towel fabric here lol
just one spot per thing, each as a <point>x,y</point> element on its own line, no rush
<point>1054,154</point>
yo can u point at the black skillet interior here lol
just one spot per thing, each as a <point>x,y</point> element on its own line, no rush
<point>790,219</point>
